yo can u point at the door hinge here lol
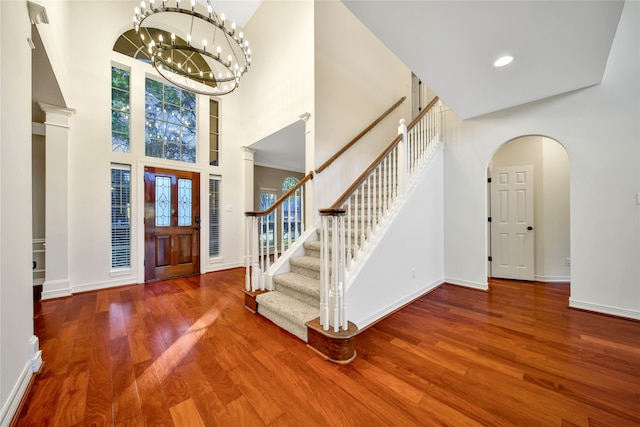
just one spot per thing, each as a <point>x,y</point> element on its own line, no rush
<point>490,259</point>
<point>489,180</point>
<point>489,219</point>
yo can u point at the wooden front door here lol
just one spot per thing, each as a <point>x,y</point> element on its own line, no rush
<point>171,223</point>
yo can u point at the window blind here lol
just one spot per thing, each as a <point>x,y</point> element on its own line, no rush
<point>120,216</point>
<point>214,216</point>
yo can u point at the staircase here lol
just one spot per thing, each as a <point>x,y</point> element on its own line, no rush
<point>309,300</point>
<point>296,298</point>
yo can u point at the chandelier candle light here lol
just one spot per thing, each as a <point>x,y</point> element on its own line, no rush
<point>193,50</point>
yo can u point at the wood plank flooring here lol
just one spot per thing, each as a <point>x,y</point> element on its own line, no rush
<point>186,353</point>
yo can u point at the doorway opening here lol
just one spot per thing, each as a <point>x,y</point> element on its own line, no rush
<point>528,211</point>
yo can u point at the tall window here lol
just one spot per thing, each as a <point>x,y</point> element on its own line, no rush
<point>214,216</point>
<point>292,212</point>
<point>214,135</point>
<point>120,216</point>
<point>120,110</point>
<point>170,122</point>
<point>267,198</point>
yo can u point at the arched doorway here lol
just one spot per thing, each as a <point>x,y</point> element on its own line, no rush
<point>528,202</point>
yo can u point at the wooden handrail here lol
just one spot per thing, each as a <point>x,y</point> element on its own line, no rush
<point>423,112</point>
<point>352,188</point>
<point>359,136</point>
<point>282,198</point>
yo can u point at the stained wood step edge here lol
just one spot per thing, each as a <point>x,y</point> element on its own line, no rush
<point>337,347</point>
<point>250,300</point>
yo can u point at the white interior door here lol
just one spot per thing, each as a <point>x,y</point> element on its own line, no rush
<point>512,246</point>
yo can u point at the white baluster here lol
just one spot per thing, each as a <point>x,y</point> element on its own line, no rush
<point>394,174</point>
<point>255,273</point>
<point>247,257</point>
<point>374,201</point>
<point>369,212</point>
<point>324,273</point>
<point>362,219</point>
<point>334,291</point>
<point>340,274</point>
<point>348,235</point>
<point>261,248</point>
<point>401,164</point>
<point>354,238</point>
<point>302,212</point>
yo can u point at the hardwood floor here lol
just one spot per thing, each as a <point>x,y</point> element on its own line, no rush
<point>186,353</point>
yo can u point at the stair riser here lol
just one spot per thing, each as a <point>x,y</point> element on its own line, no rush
<point>307,299</point>
<point>298,330</point>
<point>312,252</point>
<point>314,274</point>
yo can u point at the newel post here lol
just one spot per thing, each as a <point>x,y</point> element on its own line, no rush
<point>333,309</point>
<point>403,170</point>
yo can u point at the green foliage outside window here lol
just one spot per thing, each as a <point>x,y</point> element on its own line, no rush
<point>170,122</point>
<point>120,110</point>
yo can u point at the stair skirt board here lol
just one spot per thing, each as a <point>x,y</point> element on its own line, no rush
<point>336,347</point>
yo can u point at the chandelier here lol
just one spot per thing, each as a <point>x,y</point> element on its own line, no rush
<point>192,47</point>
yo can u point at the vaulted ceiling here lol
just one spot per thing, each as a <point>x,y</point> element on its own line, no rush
<point>559,46</point>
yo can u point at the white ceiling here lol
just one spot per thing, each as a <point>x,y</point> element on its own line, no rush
<point>283,149</point>
<point>238,11</point>
<point>559,46</point>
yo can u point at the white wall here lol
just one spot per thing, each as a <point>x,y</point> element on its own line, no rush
<point>356,79</point>
<point>38,196</point>
<point>551,200</point>
<point>16,306</point>
<point>55,38</point>
<point>599,128</point>
<point>556,213</point>
<point>90,154</point>
<point>279,85</point>
<point>409,258</point>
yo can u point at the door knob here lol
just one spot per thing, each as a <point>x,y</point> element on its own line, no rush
<point>529,228</point>
<point>197,228</point>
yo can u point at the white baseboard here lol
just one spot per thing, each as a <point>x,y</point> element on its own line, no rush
<point>10,406</point>
<point>467,283</point>
<point>123,281</point>
<point>104,285</point>
<point>35,354</point>
<point>56,289</point>
<point>223,266</point>
<point>605,309</point>
<point>56,294</point>
<point>374,317</point>
<point>552,279</point>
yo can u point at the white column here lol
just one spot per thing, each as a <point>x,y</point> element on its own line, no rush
<point>310,213</point>
<point>57,282</point>
<point>247,165</point>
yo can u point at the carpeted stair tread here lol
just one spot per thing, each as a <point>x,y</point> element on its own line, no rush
<point>312,263</point>
<point>297,286</point>
<point>312,248</point>
<point>289,313</point>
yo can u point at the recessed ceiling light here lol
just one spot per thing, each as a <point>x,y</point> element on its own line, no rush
<point>502,61</point>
